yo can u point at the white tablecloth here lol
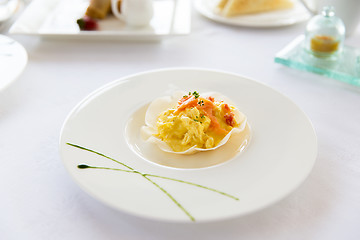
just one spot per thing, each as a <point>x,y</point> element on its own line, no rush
<point>39,200</point>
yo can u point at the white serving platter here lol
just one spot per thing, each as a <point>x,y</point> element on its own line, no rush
<point>57,19</point>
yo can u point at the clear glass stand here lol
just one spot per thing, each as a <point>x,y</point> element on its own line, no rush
<point>344,67</point>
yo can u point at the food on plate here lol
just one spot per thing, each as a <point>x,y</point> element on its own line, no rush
<point>98,8</point>
<point>324,44</point>
<point>191,122</point>
<point>88,24</point>
<point>231,8</point>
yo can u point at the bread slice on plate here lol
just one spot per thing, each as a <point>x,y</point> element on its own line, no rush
<point>98,8</point>
<point>231,8</point>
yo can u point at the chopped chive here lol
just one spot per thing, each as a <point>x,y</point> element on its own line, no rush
<point>196,94</point>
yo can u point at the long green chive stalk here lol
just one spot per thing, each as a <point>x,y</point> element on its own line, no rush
<point>147,176</point>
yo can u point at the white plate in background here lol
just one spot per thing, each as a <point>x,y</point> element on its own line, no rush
<point>266,19</point>
<point>8,9</point>
<point>13,59</point>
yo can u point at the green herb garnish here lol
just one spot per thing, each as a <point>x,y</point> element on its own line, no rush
<point>201,102</point>
<point>196,94</point>
<point>148,177</point>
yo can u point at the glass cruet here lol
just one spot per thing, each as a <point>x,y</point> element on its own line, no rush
<point>325,34</point>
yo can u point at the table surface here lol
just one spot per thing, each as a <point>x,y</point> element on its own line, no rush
<point>39,200</point>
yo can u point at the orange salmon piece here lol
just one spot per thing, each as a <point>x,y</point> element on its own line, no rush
<point>207,106</point>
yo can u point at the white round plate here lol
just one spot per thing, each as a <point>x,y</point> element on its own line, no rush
<point>267,19</point>
<point>13,59</point>
<point>280,155</point>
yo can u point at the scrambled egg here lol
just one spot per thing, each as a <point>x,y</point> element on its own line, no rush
<point>196,121</point>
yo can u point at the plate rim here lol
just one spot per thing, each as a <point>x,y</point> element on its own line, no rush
<point>23,65</point>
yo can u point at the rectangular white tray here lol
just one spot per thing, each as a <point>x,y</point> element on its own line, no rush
<point>57,19</point>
